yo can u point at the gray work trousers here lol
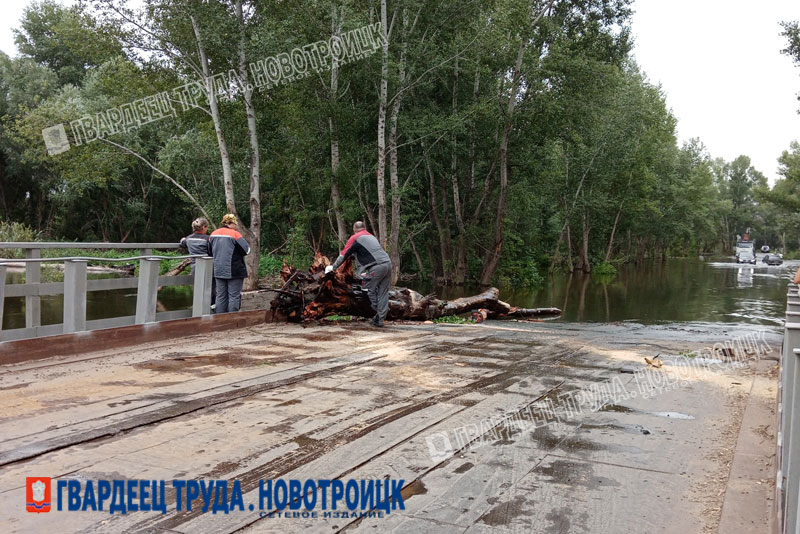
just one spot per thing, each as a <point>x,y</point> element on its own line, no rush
<point>377,280</point>
<point>229,294</point>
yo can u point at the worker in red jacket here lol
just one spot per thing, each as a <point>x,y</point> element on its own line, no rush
<point>376,269</point>
<point>228,248</point>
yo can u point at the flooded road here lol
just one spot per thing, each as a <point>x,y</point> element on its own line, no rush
<point>680,290</point>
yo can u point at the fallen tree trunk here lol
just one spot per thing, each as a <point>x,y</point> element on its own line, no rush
<point>182,266</point>
<point>312,294</point>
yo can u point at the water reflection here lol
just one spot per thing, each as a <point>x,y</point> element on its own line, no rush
<point>678,290</point>
<point>744,276</point>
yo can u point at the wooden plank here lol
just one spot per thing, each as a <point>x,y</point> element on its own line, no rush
<point>43,442</point>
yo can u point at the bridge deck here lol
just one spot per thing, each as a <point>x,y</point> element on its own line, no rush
<point>347,401</point>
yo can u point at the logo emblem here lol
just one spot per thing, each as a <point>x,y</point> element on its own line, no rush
<point>37,494</point>
<point>439,446</point>
<point>55,139</point>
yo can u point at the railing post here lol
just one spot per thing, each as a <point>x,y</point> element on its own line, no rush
<point>74,296</point>
<point>147,293</point>
<point>203,272</point>
<point>33,275</point>
<point>2,295</point>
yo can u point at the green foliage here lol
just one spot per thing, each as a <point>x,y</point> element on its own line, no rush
<point>269,265</point>
<point>342,318</point>
<point>594,162</point>
<point>451,319</point>
<point>605,269</point>
<point>298,249</point>
<point>14,231</point>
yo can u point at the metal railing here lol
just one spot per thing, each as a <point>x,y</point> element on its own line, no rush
<point>76,285</point>
<point>788,454</point>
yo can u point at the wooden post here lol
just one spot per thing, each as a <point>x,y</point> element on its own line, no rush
<point>33,275</point>
<point>147,293</point>
<point>74,296</point>
<point>203,272</point>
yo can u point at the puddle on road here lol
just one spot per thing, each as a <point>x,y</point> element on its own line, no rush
<point>572,473</point>
<point>503,513</point>
<point>463,468</point>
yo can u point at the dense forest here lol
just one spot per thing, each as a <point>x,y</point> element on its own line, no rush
<point>481,141</point>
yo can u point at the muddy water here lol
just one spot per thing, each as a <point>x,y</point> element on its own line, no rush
<point>679,290</point>
<point>676,291</point>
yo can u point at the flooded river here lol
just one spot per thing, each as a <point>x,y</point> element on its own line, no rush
<point>680,290</point>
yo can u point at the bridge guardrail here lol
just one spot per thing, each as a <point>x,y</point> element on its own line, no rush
<point>787,485</point>
<point>76,286</point>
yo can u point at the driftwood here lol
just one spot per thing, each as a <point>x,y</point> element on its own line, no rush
<point>312,294</point>
<point>180,267</point>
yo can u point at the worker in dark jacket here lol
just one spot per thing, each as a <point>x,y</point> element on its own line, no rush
<point>196,244</point>
<point>228,248</point>
<point>376,269</point>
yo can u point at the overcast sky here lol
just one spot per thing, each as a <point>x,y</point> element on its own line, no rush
<point>718,61</point>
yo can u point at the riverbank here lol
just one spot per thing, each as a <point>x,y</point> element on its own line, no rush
<point>549,427</point>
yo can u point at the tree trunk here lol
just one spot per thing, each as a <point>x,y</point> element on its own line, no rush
<point>394,238</point>
<point>381,171</point>
<point>585,264</point>
<point>461,253</point>
<point>252,233</point>
<point>570,264</point>
<point>613,231</point>
<point>444,233</point>
<point>208,85</point>
<point>341,229</point>
<point>492,258</point>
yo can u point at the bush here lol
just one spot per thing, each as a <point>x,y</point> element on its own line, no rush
<point>605,269</point>
<point>269,265</point>
<point>14,231</point>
